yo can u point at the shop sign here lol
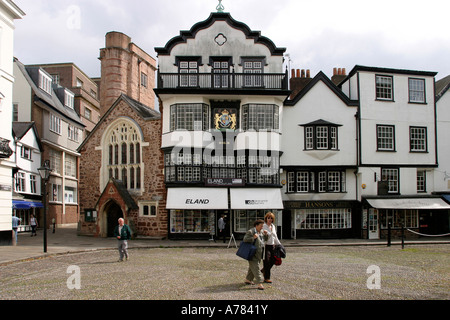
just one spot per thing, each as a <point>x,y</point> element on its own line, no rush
<point>315,204</point>
<point>197,201</point>
<point>224,182</point>
<point>255,202</point>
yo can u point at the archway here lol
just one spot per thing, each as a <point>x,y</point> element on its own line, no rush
<point>113,213</point>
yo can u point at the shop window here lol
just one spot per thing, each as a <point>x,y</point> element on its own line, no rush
<point>189,221</point>
<point>396,217</point>
<point>317,219</point>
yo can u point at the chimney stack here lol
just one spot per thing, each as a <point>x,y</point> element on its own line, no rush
<point>297,83</point>
<point>339,74</point>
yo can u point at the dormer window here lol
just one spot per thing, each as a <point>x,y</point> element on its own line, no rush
<point>45,82</point>
<point>69,99</point>
<point>321,135</point>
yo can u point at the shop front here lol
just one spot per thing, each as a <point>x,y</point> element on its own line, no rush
<point>194,212</point>
<point>412,216</point>
<point>321,219</point>
<point>24,209</point>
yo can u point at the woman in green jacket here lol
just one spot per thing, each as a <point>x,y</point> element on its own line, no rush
<point>254,270</point>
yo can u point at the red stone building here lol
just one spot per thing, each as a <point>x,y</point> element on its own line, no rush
<point>121,169</point>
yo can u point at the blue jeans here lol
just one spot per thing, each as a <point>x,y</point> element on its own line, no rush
<point>15,234</point>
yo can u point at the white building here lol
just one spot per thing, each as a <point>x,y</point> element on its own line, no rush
<point>27,194</point>
<point>396,147</point>
<point>221,88</point>
<point>9,12</point>
<point>319,161</point>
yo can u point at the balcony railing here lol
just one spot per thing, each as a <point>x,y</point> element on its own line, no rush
<point>223,81</point>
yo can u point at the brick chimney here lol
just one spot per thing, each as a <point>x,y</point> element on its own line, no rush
<point>127,69</point>
<point>299,79</point>
<point>339,74</point>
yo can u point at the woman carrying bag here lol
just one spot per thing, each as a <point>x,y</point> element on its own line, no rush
<point>255,235</point>
<point>271,243</point>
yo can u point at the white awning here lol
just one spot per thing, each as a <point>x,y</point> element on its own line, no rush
<point>261,198</point>
<point>197,198</point>
<point>409,203</point>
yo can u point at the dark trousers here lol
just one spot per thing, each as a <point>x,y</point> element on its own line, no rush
<point>269,261</point>
<point>222,234</point>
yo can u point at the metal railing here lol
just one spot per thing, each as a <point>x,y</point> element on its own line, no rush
<point>223,81</point>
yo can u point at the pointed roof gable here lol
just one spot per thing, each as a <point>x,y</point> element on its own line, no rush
<point>219,16</point>
<point>320,77</point>
<point>116,190</point>
<point>20,129</point>
<point>143,111</point>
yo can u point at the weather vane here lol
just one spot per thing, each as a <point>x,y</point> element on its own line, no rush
<point>220,7</point>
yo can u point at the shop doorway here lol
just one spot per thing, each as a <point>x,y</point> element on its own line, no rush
<point>374,231</point>
<point>227,219</point>
<point>113,213</point>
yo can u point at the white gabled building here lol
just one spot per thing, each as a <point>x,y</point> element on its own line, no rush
<point>27,192</point>
<point>221,88</point>
<point>396,148</point>
<point>319,161</point>
<point>9,12</point>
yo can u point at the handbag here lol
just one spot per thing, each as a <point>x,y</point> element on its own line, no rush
<point>277,260</point>
<point>246,250</point>
<point>280,251</point>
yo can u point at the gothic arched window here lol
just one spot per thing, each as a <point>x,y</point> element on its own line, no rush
<point>122,149</point>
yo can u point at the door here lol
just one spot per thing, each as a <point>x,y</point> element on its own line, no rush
<point>227,220</point>
<point>114,212</point>
<point>374,231</point>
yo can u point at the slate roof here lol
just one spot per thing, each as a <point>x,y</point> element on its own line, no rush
<point>31,74</point>
<point>21,128</point>
<point>442,87</point>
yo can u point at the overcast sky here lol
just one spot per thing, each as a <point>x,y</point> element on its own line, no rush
<point>318,35</point>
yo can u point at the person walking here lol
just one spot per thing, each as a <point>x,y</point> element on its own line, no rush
<point>33,223</point>
<point>221,224</point>
<point>255,235</point>
<point>15,226</point>
<point>123,233</point>
<point>270,245</point>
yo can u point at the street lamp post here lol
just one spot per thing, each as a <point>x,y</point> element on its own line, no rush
<point>44,171</point>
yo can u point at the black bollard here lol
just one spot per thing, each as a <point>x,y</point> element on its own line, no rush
<point>389,235</point>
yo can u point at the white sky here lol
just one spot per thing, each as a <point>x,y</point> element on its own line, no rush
<point>318,35</point>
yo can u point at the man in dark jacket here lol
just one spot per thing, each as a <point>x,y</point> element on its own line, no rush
<point>123,234</point>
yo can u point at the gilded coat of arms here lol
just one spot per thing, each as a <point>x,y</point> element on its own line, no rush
<point>225,119</point>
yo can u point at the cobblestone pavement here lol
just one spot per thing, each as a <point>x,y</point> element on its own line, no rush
<point>307,273</point>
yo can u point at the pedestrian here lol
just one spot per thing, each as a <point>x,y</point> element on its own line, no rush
<point>33,223</point>
<point>221,225</point>
<point>15,226</point>
<point>123,234</point>
<point>255,235</point>
<point>270,245</point>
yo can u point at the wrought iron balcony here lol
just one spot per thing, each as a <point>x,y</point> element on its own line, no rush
<point>223,81</point>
